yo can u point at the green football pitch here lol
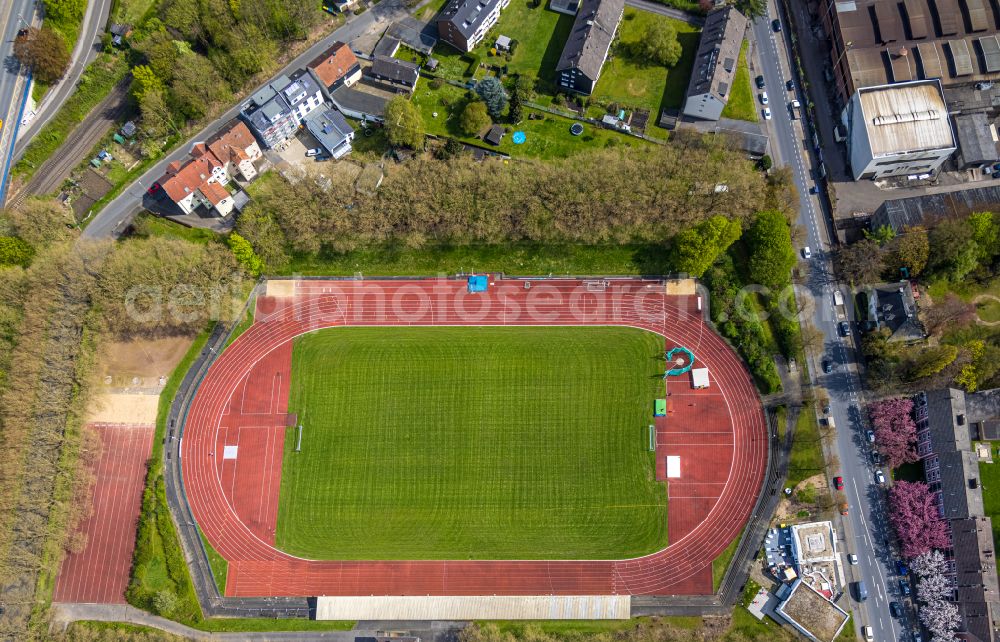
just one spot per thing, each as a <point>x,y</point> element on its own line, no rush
<point>473,443</point>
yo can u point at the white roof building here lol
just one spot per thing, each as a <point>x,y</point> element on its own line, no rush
<point>898,129</point>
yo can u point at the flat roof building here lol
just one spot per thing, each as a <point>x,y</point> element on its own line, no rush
<point>898,129</point>
<point>715,64</point>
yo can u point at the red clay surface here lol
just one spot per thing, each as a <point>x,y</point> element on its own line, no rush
<point>99,573</point>
<point>719,433</point>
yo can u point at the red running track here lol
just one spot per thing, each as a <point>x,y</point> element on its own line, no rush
<point>99,573</point>
<point>720,434</point>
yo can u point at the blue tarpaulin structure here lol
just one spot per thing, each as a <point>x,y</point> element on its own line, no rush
<point>478,283</point>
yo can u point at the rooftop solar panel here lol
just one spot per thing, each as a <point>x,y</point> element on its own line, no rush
<point>991,53</point>
<point>961,57</point>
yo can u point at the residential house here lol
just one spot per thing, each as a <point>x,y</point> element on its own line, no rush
<point>332,130</point>
<point>568,7</point>
<point>398,75</point>
<point>715,64</point>
<point>336,67</point>
<point>275,111</point>
<point>891,307</point>
<point>359,104</point>
<point>464,23</point>
<point>945,419</point>
<point>237,149</point>
<point>119,33</point>
<point>897,130</point>
<point>198,183</point>
<point>588,45</point>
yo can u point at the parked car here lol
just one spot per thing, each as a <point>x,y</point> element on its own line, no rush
<point>760,82</point>
<point>767,113</point>
<point>763,97</point>
<point>826,409</point>
<point>904,587</point>
<point>154,188</point>
<point>838,483</point>
<point>845,328</point>
<point>901,568</point>
<point>879,477</point>
<point>814,189</point>
<point>795,104</point>
<point>843,508</point>
<point>827,366</point>
<point>896,609</point>
<point>870,434</point>
<point>790,85</point>
<point>316,151</point>
<point>776,25</point>
<point>807,252</point>
<point>852,558</point>
<point>868,633</point>
<point>876,458</point>
<point>861,590</point>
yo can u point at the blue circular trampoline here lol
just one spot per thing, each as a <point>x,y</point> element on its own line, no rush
<point>518,138</point>
<point>576,129</point>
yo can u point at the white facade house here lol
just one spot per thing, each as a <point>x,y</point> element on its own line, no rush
<point>275,111</point>
<point>899,129</point>
<point>464,23</point>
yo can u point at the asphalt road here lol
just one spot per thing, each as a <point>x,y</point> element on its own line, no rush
<point>88,45</point>
<point>865,530</point>
<point>14,15</point>
<point>117,214</point>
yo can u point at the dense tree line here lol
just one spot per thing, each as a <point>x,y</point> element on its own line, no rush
<point>193,54</point>
<point>608,196</point>
<point>711,629</point>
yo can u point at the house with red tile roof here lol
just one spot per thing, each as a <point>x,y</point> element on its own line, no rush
<point>199,183</point>
<point>336,67</point>
<point>237,149</point>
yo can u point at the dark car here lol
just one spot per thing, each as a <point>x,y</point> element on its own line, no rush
<point>760,82</point>
<point>901,568</point>
<point>790,85</point>
<point>876,458</point>
<point>896,609</point>
<point>827,366</point>
<point>845,329</point>
<point>776,25</point>
<point>904,588</point>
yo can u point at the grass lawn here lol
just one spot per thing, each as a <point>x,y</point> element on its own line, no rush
<point>481,443</point>
<point>990,476</point>
<point>634,83</point>
<point>988,310</point>
<point>806,458</point>
<point>721,563</point>
<point>741,105</point>
<point>546,138</point>
<point>219,565</point>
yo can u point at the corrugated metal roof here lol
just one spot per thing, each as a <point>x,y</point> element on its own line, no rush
<point>930,60</point>
<point>889,23</point>
<point>961,56</point>
<point>867,67</point>
<point>977,15</point>
<point>903,68</point>
<point>916,16</point>
<point>991,52</point>
<point>905,118</point>
<point>948,15</point>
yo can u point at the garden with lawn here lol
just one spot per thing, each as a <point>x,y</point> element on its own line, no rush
<point>741,105</point>
<point>547,136</point>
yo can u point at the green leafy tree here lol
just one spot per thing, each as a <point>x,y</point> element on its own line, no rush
<point>474,118</point>
<point>861,262</point>
<point>697,248</point>
<point>165,602</point>
<point>771,253</point>
<point>144,80</point>
<point>658,44</point>
<point>44,51</point>
<point>260,229</point>
<point>404,126</point>
<point>516,111</point>
<point>881,235</point>
<point>493,94</point>
<point>196,86</point>
<point>159,49</point>
<point>245,255</point>
<point>64,12</point>
<point>15,251</point>
<point>911,250</point>
<point>752,9</point>
<point>932,361</point>
<point>986,233</point>
<point>766,163</point>
<point>525,86</point>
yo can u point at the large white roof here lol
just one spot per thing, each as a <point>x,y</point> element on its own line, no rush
<point>905,117</point>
